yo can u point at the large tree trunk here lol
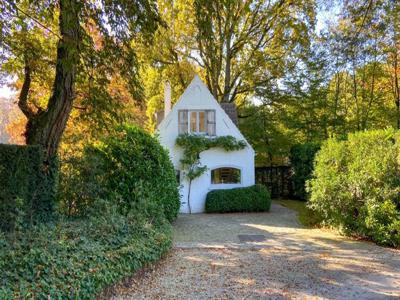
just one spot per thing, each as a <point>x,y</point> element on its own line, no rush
<point>46,127</point>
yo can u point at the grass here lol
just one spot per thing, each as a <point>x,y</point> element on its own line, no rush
<point>307,217</point>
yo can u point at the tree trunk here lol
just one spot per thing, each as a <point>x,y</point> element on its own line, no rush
<point>46,127</point>
<point>190,185</point>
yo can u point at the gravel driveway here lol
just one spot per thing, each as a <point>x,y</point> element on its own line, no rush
<point>266,256</point>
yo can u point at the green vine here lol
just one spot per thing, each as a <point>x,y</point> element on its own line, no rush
<point>193,145</point>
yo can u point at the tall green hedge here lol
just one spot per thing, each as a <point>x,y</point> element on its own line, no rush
<point>131,169</point>
<point>302,163</point>
<point>28,187</point>
<point>254,198</point>
<point>356,185</point>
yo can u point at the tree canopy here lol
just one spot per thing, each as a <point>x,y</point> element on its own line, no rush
<point>294,76</point>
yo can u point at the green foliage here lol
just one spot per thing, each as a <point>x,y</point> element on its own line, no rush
<point>248,199</point>
<point>28,187</point>
<point>193,145</point>
<point>132,170</point>
<point>77,259</point>
<point>302,162</point>
<point>356,185</point>
<point>127,192</point>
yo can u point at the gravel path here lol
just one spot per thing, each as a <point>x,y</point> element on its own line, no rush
<point>209,261</point>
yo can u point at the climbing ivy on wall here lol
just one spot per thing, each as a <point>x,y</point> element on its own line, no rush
<point>193,145</point>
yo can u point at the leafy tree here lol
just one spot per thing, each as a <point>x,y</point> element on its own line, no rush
<point>117,21</point>
<point>242,44</point>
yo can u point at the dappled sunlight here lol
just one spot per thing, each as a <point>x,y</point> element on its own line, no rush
<point>255,255</point>
<point>194,259</point>
<point>245,281</point>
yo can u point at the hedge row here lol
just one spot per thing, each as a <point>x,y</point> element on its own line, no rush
<point>28,187</point>
<point>356,185</point>
<point>78,259</point>
<point>255,198</point>
<point>302,163</point>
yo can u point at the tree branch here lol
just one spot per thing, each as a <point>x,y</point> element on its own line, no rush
<point>23,96</point>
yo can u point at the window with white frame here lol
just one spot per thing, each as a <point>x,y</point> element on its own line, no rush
<point>226,175</point>
<point>197,122</point>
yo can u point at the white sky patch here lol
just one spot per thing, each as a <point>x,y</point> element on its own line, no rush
<point>6,92</point>
<point>327,15</point>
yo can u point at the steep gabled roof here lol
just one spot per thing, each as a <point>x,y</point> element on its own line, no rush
<point>197,93</point>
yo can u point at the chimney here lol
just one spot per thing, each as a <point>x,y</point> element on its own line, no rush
<point>230,109</point>
<point>167,98</point>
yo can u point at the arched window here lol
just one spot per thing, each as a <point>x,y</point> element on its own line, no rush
<point>225,175</point>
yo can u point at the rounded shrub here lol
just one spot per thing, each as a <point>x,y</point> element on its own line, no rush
<point>134,171</point>
<point>356,185</point>
<point>254,198</point>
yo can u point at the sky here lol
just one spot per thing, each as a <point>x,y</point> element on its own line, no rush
<point>5,92</point>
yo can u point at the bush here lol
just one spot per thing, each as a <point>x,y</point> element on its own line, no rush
<point>28,187</point>
<point>248,199</point>
<point>127,191</point>
<point>78,259</point>
<point>132,170</point>
<point>302,162</point>
<point>356,185</point>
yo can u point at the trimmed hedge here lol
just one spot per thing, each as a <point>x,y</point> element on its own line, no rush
<point>302,163</point>
<point>356,185</point>
<point>78,259</point>
<point>28,187</point>
<point>247,199</point>
<point>131,170</point>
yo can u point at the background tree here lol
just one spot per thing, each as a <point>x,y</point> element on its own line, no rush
<point>242,44</point>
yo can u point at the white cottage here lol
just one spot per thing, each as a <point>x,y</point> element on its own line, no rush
<point>197,112</point>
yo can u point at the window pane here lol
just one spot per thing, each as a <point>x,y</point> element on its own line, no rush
<point>193,121</point>
<point>202,121</point>
<point>211,122</point>
<point>225,175</point>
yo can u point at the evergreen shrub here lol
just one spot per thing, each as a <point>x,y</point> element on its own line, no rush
<point>254,198</point>
<point>356,185</point>
<point>132,170</point>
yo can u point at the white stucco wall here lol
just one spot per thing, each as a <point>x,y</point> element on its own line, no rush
<point>198,97</point>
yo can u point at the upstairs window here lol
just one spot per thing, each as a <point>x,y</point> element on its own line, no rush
<point>196,122</point>
<point>225,176</point>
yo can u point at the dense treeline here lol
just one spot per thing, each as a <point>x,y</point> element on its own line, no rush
<point>293,74</point>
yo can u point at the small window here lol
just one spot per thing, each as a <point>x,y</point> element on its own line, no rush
<point>197,122</point>
<point>225,175</point>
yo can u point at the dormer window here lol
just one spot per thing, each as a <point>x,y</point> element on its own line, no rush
<point>196,122</point>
